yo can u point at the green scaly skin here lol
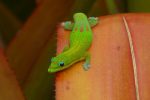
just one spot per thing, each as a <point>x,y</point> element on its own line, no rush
<point>80,41</point>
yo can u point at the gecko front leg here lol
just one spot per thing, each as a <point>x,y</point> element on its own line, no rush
<point>68,25</point>
<point>86,64</point>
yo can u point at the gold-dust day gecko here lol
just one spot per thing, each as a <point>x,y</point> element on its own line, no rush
<point>80,40</point>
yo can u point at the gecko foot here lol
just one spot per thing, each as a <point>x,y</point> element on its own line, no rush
<point>93,18</point>
<point>93,21</point>
<point>86,66</point>
<point>68,25</point>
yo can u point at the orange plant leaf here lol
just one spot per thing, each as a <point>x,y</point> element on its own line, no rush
<point>111,75</point>
<point>9,87</point>
<point>139,27</point>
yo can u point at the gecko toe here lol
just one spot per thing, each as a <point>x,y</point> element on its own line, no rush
<point>86,66</point>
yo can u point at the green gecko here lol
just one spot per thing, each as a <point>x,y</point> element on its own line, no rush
<point>80,41</point>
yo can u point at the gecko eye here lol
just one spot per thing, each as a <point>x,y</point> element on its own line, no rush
<point>61,64</point>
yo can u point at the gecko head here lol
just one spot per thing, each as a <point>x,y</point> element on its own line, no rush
<point>57,64</point>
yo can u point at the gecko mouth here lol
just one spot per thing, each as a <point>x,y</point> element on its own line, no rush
<point>56,69</point>
<point>52,70</point>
